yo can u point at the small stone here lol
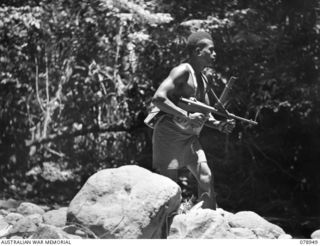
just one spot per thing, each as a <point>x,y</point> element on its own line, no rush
<point>36,218</point>
<point>12,218</point>
<point>3,223</point>
<point>263,234</point>
<point>52,232</point>
<point>4,212</point>
<point>285,236</point>
<point>23,226</point>
<point>27,208</point>
<point>243,233</point>
<point>80,233</point>
<point>315,234</point>
<point>47,232</point>
<point>9,204</point>
<point>57,217</point>
<point>4,227</point>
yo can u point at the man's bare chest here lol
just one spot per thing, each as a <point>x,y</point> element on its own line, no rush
<point>197,89</point>
<point>187,89</point>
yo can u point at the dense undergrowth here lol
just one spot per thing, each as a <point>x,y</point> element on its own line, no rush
<point>77,78</point>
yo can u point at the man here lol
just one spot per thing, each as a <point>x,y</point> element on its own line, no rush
<point>175,135</point>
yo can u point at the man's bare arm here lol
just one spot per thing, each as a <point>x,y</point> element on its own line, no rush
<point>168,89</point>
<point>169,92</point>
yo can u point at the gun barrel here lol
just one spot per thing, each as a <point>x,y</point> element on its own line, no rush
<point>201,107</point>
<point>232,116</point>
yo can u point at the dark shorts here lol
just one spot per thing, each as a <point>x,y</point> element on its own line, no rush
<point>173,147</point>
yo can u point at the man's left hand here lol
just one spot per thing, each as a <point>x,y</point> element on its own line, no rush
<point>227,126</point>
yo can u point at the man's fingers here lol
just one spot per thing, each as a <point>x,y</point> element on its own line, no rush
<point>228,126</point>
<point>231,122</point>
<point>197,119</point>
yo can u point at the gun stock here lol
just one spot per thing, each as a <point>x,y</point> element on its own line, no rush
<point>225,93</point>
<point>195,106</point>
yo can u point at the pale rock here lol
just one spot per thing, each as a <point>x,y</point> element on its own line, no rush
<point>4,212</point>
<point>46,208</point>
<point>200,224</point>
<point>24,226</point>
<point>4,227</point>
<point>285,236</point>
<point>126,202</point>
<point>80,233</point>
<point>27,208</point>
<point>57,217</point>
<point>9,204</point>
<point>254,222</point>
<point>263,234</point>
<point>36,218</point>
<point>243,233</point>
<point>224,213</point>
<point>315,234</point>
<point>75,230</point>
<point>12,218</point>
<point>51,232</point>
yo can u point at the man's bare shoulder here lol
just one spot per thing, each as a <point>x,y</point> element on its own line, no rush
<point>180,73</point>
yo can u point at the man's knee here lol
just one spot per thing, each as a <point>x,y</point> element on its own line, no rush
<point>206,180</point>
<point>204,173</point>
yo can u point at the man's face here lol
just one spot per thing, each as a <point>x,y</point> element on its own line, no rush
<point>207,52</point>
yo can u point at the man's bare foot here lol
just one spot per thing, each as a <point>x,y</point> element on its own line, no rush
<point>208,201</point>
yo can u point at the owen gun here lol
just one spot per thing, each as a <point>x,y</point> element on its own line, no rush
<point>196,106</point>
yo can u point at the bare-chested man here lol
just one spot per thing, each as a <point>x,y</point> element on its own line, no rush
<point>175,136</point>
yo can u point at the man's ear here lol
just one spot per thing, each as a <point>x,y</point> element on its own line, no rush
<point>198,51</point>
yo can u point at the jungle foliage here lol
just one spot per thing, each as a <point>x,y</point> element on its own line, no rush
<point>76,80</point>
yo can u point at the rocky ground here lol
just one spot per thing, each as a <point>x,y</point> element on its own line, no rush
<point>131,202</point>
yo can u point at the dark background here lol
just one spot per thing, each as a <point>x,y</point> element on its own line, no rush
<point>76,79</point>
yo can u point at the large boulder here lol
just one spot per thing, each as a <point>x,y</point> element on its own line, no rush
<point>57,217</point>
<point>200,224</point>
<point>261,227</point>
<point>125,202</point>
<point>205,223</point>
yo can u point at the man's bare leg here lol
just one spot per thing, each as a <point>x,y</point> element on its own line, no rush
<point>173,175</point>
<point>170,173</point>
<point>206,193</point>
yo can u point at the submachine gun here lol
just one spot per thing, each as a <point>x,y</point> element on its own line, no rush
<point>192,105</point>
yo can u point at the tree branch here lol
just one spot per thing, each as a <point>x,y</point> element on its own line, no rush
<point>90,129</point>
<point>47,114</point>
<point>37,85</point>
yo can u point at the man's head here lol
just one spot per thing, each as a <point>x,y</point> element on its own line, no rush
<point>200,45</point>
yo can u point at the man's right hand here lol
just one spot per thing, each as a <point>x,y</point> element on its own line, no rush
<point>197,119</point>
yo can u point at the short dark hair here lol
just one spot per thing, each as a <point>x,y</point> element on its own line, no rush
<point>194,39</point>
